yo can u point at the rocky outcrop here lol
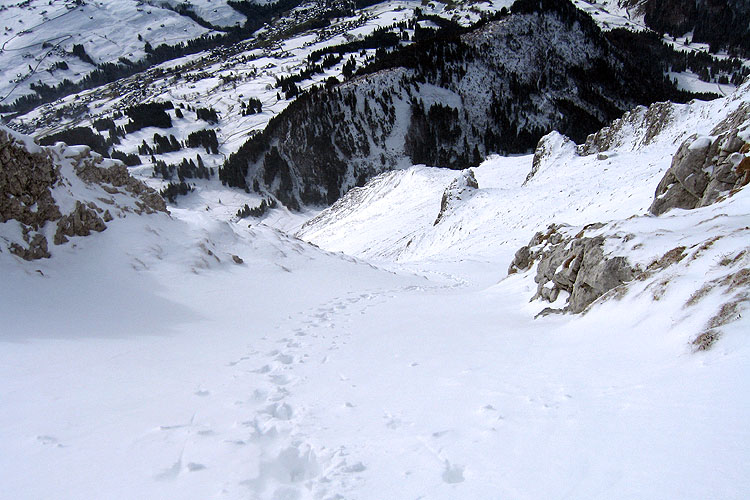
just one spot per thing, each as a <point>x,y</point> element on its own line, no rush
<point>80,222</point>
<point>116,179</point>
<point>576,265</point>
<point>25,181</point>
<point>462,187</point>
<point>703,170</point>
<point>36,249</point>
<point>639,127</point>
<point>550,148</point>
<point>36,181</point>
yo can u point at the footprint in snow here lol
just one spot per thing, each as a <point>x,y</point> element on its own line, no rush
<point>285,359</point>
<point>171,472</point>
<point>259,394</point>
<point>453,473</point>
<point>49,441</point>
<point>358,467</point>
<point>280,394</point>
<point>171,427</point>
<point>279,379</point>
<point>281,411</point>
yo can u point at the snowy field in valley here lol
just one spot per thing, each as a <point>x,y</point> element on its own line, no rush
<point>392,359</point>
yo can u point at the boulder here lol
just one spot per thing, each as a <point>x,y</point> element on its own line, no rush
<point>550,148</point>
<point>573,264</point>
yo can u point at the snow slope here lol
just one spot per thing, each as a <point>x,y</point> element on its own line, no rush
<point>145,362</point>
<point>139,366</point>
<point>399,208</point>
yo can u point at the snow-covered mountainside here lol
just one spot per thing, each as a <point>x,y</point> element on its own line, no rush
<point>449,102</point>
<point>186,357</point>
<point>570,323</point>
<point>604,188</point>
<point>38,38</point>
<point>225,86</point>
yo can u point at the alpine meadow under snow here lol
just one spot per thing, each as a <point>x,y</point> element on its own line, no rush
<point>567,323</point>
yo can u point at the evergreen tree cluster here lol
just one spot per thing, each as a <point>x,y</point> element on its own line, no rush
<point>82,136</point>
<point>173,190</point>
<point>148,115</point>
<point>721,24</point>
<point>382,37</point>
<point>185,9</point>
<point>251,106</point>
<point>330,136</point>
<point>59,65</point>
<point>647,49</point>
<point>81,54</point>
<point>288,84</point>
<point>102,124</point>
<point>204,138</point>
<point>207,115</point>
<point>163,144</point>
<point>130,160</point>
<point>186,169</point>
<point>265,205</point>
<point>435,137</point>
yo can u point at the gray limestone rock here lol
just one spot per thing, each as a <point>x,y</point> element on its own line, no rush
<point>25,182</point>
<point>703,170</point>
<point>37,248</point>
<point>573,264</point>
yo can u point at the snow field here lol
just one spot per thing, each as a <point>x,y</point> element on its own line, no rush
<point>144,362</point>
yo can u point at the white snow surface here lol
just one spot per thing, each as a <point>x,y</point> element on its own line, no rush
<point>143,362</point>
<point>36,34</point>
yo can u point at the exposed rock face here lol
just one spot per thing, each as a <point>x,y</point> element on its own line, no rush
<point>702,171</point>
<point>119,180</point>
<point>80,222</point>
<point>640,125</point>
<point>461,188</point>
<point>25,182</point>
<point>31,177</point>
<point>37,248</point>
<point>576,265</point>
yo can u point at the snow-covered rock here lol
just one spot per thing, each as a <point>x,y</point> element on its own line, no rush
<point>707,168</point>
<point>70,186</point>
<point>463,187</point>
